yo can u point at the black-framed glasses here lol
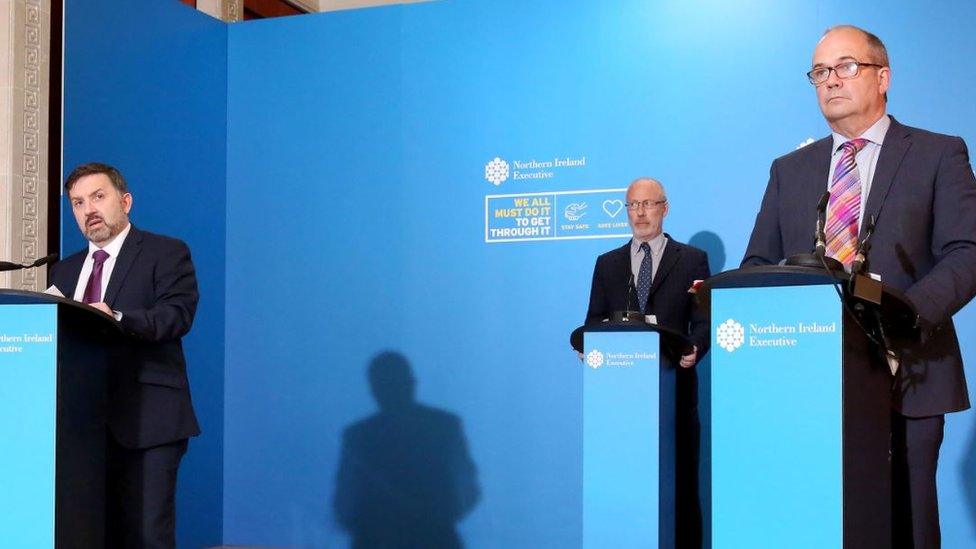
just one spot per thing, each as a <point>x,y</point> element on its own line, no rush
<point>646,204</point>
<point>845,70</point>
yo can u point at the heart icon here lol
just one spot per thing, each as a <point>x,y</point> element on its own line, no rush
<point>612,207</point>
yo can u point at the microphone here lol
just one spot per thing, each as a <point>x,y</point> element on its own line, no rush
<point>818,259</point>
<point>819,234</point>
<point>628,315</point>
<point>860,257</point>
<point>630,290</point>
<point>8,266</point>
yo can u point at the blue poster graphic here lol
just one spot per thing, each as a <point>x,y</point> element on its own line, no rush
<point>28,400</point>
<point>621,403</point>
<point>561,215</point>
<point>776,417</point>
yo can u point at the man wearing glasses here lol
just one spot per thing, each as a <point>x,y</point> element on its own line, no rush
<point>653,273</point>
<point>919,188</point>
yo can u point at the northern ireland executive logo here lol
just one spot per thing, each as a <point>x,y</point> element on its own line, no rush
<point>496,171</point>
<point>730,335</point>
<point>594,359</point>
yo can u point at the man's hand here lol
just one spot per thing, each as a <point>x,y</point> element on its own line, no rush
<point>688,360</point>
<point>103,307</point>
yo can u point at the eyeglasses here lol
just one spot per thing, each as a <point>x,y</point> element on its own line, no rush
<point>646,204</point>
<point>845,70</point>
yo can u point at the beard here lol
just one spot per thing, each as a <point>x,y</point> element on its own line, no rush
<point>102,232</point>
<point>646,232</point>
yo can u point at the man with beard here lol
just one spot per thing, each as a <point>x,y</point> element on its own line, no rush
<point>147,282</point>
<point>658,272</point>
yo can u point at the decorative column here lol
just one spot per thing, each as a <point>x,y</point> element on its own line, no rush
<point>25,27</point>
<point>226,10</point>
<point>233,10</point>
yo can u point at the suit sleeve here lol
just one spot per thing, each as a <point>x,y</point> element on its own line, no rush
<point>52,275</point>
<point>951,283</point>
<point>766,244</point>
<point>700,319</point>
<point>174,300</point>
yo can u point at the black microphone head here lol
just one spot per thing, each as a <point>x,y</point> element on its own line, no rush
<point>824,199</point>
<point>49,258</point>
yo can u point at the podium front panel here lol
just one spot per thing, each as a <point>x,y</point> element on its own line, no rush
<point>777,457</point>
<point>621,386</point>
<point>28,411</point>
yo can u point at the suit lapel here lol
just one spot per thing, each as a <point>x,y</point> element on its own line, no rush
<point>896,144</point>
<point>69,273</point>
<point>818,169</point>
<point>127,256</point>
<point>670,256</point>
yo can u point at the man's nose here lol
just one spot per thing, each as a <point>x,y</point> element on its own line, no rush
<point>833,80</point>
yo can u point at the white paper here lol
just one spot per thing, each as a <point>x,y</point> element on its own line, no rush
<point>53,290</point>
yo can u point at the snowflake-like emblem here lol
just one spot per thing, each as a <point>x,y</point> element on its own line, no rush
<point>594,359</point>
<point>730,335</point>
<point>809,141</point>
<point>496,171</point>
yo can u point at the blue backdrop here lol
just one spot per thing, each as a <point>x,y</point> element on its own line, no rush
<point>356,151</point>
<point>145,89</point>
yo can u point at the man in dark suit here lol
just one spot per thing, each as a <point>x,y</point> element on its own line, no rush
<point>147,282</point>
<point>654,274</point>
<point>919,187</point>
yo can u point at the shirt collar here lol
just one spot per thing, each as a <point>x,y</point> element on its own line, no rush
<point>657,244</point>
<point>875,134</point>
<point>113,247</point>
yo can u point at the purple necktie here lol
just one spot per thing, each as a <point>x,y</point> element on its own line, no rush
<point>93,291</point>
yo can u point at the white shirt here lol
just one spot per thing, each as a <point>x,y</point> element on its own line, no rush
<point>867,158</point>
<point>112,249</point>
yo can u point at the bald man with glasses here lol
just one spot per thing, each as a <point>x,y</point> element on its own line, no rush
<point>653,273</point>
<point>920,189</point>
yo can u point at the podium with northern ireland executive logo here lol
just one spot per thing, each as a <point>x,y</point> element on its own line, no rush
<point>52,421</point>
<point>800,407</point>
<point>628,450</point>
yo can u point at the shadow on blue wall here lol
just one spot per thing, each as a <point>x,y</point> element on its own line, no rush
<point>405,475</point>
<point>713,245</point>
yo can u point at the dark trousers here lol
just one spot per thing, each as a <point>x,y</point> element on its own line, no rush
<point>141,495</point>
<point>688,516</point>
<point>915,444</point>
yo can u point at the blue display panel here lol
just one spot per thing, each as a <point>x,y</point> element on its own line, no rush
<point>776,417</point>
<point>561,215</point>
<point>621,395</point>
<point>28,407</point>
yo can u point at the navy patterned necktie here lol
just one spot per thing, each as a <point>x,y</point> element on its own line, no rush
<point>644,278</point>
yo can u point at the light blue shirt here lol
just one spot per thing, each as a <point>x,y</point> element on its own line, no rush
<point>656,244</point>
<point>867,158</point>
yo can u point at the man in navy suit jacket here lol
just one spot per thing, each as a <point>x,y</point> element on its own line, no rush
<point>147,282</point>
<point>673,269</point>
<point>920,189</point>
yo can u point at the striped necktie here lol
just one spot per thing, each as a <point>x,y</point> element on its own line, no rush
<point>844,207</point>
